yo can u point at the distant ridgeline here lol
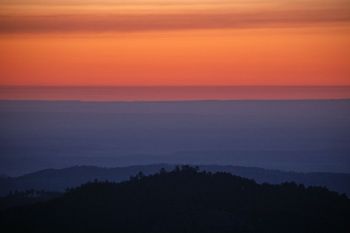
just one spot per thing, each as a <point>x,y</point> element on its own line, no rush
<point>58,180</point>
<point>185,200</point>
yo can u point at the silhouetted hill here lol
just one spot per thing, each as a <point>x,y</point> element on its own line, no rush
<point>185,200</point>
<point>57,180</point>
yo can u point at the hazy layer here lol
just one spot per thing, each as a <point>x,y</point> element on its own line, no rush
<point>288,135</point>
<point>165,93</point>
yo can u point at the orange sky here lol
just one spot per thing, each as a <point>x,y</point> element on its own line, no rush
<point>174,42</point>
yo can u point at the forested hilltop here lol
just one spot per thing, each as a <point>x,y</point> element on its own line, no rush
<point>58,180</point>
<point>185,200</point>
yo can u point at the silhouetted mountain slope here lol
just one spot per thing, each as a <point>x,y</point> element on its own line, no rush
<point>339,182</point>
<point>60,179</point>
<point>185,200</point>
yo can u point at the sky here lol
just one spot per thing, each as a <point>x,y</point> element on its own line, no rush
<point>109,50</point>
<point>174,42</point>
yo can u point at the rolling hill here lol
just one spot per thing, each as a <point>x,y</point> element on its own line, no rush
<point>185,200</point>
<point>57,180</point>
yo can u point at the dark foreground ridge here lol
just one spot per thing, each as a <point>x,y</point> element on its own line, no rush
<point>185,200</point>
<point>58,180</point>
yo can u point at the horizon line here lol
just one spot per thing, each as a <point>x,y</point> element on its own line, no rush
<point>165,85</point>
<point>175,101</point>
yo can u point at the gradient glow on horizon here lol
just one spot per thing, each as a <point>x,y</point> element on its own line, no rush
<point>174,42</point>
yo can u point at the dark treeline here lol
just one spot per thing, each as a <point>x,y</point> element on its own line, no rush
<point>58,180</point>
<point>31,196</point>
<point>185,200</point>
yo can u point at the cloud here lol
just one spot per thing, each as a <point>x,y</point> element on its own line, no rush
<point>130,22</point>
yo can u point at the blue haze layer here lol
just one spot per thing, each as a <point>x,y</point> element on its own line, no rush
<point>307,136</point>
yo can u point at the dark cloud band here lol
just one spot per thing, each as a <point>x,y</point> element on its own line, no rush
<point>160,22</point>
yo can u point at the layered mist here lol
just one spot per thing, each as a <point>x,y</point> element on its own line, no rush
<point>299,135</point>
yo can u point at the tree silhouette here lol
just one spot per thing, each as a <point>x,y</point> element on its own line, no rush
<point>185,200</point>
